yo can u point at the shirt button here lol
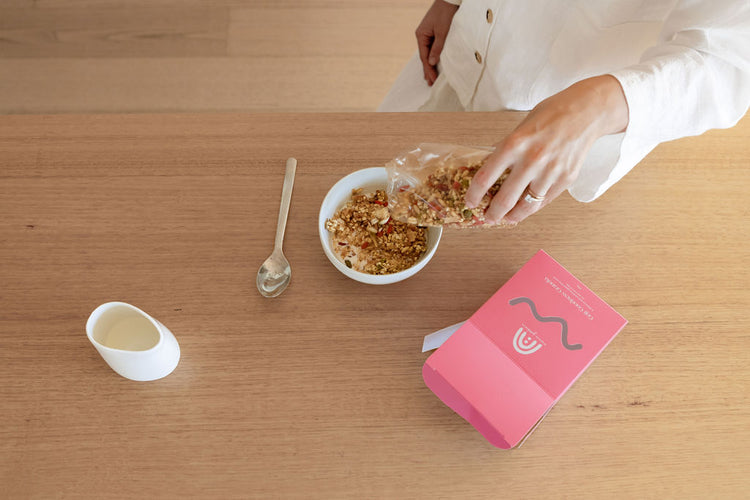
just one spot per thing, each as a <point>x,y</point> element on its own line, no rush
<point>489,16</point>
<point>478,57</point>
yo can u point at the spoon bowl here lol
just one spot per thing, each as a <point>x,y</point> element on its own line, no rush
<point>274,275</point>
<point>275,272</point>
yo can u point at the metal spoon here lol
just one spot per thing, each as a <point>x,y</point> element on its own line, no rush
<point>275,273</point>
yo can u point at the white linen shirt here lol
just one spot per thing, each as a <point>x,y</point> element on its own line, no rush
<point>684,66</point>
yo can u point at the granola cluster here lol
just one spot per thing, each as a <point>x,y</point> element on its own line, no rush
<point>439,201</point>
<point>367,239</point>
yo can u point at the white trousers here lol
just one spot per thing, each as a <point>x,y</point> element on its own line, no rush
<point>410,92</point>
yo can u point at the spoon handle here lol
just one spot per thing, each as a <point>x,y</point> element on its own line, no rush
<point>286,198</point>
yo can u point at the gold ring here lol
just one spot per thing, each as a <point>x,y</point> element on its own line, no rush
<point>532,197</point>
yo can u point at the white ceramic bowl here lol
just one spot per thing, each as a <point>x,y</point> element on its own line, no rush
<point>369,179</point>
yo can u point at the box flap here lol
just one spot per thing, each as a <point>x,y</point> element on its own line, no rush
<point>494,395</point>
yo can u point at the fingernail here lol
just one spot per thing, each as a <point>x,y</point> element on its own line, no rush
<point>470,204</point>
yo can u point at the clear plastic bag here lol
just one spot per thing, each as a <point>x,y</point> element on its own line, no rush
<point>426,186</point>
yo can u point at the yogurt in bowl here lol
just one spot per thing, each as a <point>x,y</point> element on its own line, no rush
<point>370,180</point>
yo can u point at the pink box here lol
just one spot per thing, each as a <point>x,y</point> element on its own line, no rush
<point>514,358</point>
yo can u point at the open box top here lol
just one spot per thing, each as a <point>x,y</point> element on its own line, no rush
<point>516,356</point>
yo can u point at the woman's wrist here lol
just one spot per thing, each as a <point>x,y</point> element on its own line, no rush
<point>610,105</point>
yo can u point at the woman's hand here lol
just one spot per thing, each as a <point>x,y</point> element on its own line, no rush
<point>545,152</point>
<point>431,34</point>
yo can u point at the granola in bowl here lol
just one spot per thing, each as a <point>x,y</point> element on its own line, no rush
<point>368,240</point>
<point>439,199</point>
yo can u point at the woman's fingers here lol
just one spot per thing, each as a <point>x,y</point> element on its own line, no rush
<point>528,205</point>
<point>494,166</point>
<point>510,192</point>
<point>527,165</point>
<point>536,178</point>
<point>424,43</point>
<point>437,47</point>
<point>535,196</point>
<point>431,34</point>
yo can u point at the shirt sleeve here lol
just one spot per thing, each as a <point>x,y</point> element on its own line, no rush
<point>696,78</point>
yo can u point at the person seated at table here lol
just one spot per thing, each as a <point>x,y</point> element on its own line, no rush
<point>606,81</point>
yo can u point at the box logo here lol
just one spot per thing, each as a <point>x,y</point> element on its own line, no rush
<point>523,343</point>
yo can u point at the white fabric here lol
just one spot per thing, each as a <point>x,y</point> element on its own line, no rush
<point>684,66</point>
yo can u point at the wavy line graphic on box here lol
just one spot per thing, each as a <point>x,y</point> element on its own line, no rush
<point>548,319</point>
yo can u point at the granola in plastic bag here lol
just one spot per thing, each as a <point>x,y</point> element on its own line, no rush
<point>426,186</point>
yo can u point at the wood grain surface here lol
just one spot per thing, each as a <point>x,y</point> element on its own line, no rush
<point>318,393</point>
<point>74,56</point>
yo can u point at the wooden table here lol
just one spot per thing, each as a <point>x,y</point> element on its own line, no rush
<point>318,393</point>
